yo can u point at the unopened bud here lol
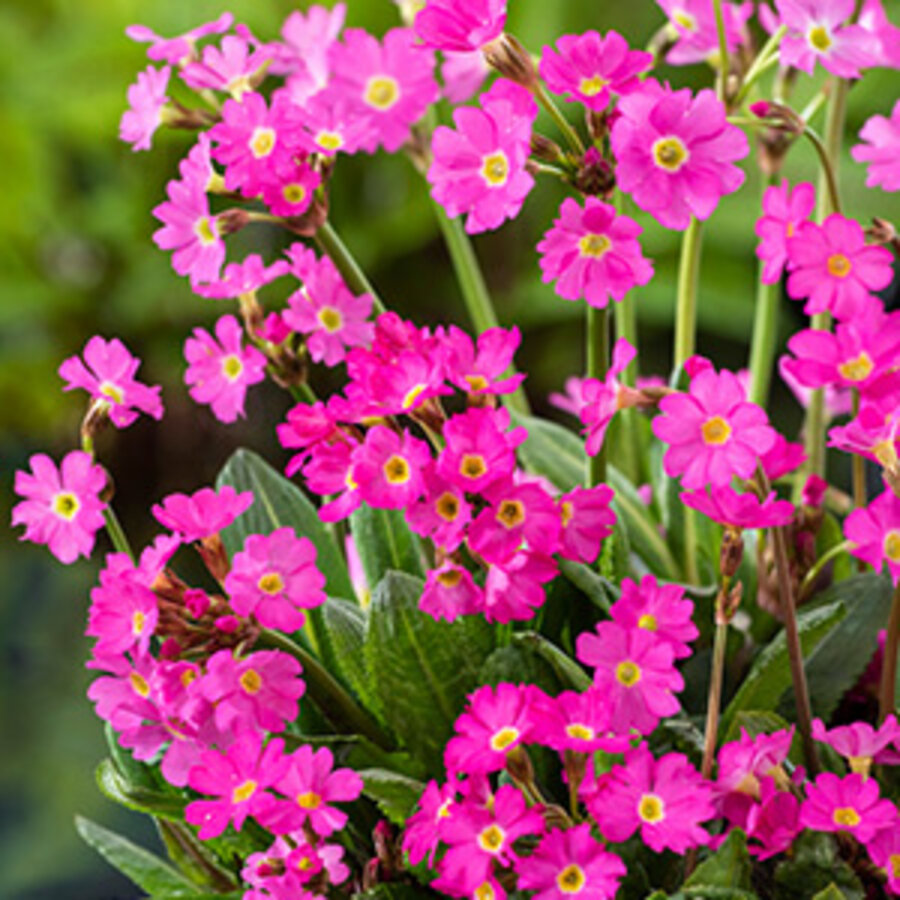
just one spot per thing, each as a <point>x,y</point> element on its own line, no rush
<point>215,556</point>
<point>556,817</point>
<point>595,176</point>
<point>731,552</point>
<point>881,232</point>
<point>598,124</point>
<point>518,764</point>
<point>232,220</point>
<point>544,149</point>
<point>512,61</point>
<point>95,420</point>
<point>312,220</point>
<point>725,612</point>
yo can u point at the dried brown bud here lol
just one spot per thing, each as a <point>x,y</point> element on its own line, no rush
<point>882,232</point>
<point>215,556</point>
<point>731,552</point>
<point>595,176</point>
<point>512,61</point>
<point>312,220</point>
<point>544,149</point>
<point>727,604</point>
<point>518,764</point>
<point>597,124</point>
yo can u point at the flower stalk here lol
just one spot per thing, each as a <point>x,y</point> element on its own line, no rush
<point>597,352</point>
<point>330,243</point>
<point>688,285</point>
<point>886,696</point>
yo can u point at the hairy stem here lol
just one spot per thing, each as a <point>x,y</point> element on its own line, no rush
<point>765,332</point>
<point>597,352</point>
<point>568,132</point>
<point>688,283</point>
<point>714,702</point>
<point>886,697</point>
<point>330,243</point>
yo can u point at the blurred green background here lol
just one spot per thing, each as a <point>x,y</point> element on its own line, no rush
<point>76,258</point>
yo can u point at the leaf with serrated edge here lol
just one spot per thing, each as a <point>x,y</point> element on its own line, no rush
<point>395,794</point>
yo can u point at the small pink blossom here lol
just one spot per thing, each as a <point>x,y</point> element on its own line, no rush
<point>441,513</point>
<point>245,277</point>
<point>774,822</point>
<point>124,611</point>
<point>146,99</point>
<point>783,211</point>
<point>425,827</point>
<point>292,191</point>
<point>741,511</point>
<point>220,368</point>
<point>197,516</point>
<point>62,507</point>
<point>579,722</point>
<point>861,744</point>
<point>450,592</point>
<point>587,519</point>
<point>229,67</point>
<point>783,458</point>
<point>695,23</point>
<point>886,35</point>
<point>661,609</point>
<point>515,589</point>
<point>593,253</point>
<point>330,471</point>
<point>601,400</point>
<point>332,123</point>
<point>851,804</point>
<point>451,25</point>
<point>179,49</point>
<point>884,849</point>
<point>874,531</point>
<point>388,468</point>
<point>881,150</point>
<point>463,73</point>
<point>477,368</point>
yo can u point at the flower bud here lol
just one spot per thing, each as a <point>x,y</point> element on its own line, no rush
<point>512,61</point>
<point>731,552</point>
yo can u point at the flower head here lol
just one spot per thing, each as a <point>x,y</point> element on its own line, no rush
<point>874,531</point>
<point>784,210</point>
<point>451,25</point>
<point>146,99</point>
<point>177,49</point>
<point>729,508</point>
<point>199,515</point>
<point>881,140</point>
<point>661,609</point>
<point>852,804</point>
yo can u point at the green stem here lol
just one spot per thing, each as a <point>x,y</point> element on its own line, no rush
<point>333,701</point>
<point>117,533</point>
<point>303,393</point>
<point>714,702</point>
<point>688,283</point>
<point>886,697</point>
<point>722,80</point>
<point>764,60</point>
<point>597,352</point>
<point>828,172</point>
<point>570,134</point>
<point>810,578</point>
<point>331,244</point>
<point>765,332</point>
<point>474,290</point>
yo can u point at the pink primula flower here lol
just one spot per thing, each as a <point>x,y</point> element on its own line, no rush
<point>881,150</point>
<point>479,167</point>
<point>676,153</point>
<point>772,824</point>
<point>124,611</point>
<point>694,22</point>
<point>587,519</point>
<point>62,507</point>
<point>197,516</point>
<point>179,49</point>
<point>571,862</point>
<point>874,531</point>
<point>330,471</point>
<point>661,609</point>
<point>388,468</point>
<point>275,578</point>
<point>107,374</point>
<point>451,25</point>
<point>230,67</point>
<point>424,829</point>
<point>861,744</point>
<point>450,592</point>
<point>463,73</point>
<point>783,211</point>
<point>852,804</point>
<point>292,191</point>
<point>515,589</point>
<point>593,253</point>
<point>245,277</point>
<point>884,849</point>
<point>478,368</point>
<point>303,53</point>
<point>874,20</point>
<point>441,513</point>
<point>588,68</point>
<point>146,99</point>
<point>712,431</point>
<point>577,721</point>
<point>726,506</point>
<point>783,458</point>
<point>221,369</point>
<point>833,269</point>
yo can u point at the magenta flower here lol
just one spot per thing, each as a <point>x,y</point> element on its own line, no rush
<point>478,368</point>
<point>245,277</point>
<point>852,803</point>
<point>833,269</point>
<point>62,507</point>
<point>695,23</point>
<point>452,25</point>
<point>391,84</point>
<point>665,799</point>
<point>388,468</point>
<point>571,863</point>
<point>220,368</point>
<point>292,192</point>
<point>146,99</point>
<point>330,471</point>
<point>463,73</point>
<point>884,849</point>
<point>442,513</point>
<point>450,592</point>
<point>238,778</point>
<point>587,519</point>
<point>124,611</point>
<point>712,431</point>
<point>332,123</point>
<point>675,153</point>
<point>783,211</point>
<point>312,785</point>
<point>773,823</point>
<point>514,590</point>
<point>636,670</point>
<point>661,609</point>
<point>881,150</point>
<point>107,374</point>
<point>275,578</point>
<point>588,68</point>
<point>874,20</point>
<point>859,743</point>
<point>424,829</point>
<point>479,168</point>
<point>783,458</point>
<point>593,254</point>
<point>740,511</point>
<point>875,533</point>
<point>177,49</point>
<point>577,722</point>
<point>204,513</point>
<point>229,67</point>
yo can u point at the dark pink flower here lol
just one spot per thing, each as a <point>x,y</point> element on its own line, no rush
<point>329,471</point>
<point>577,722</point>
<point>62,507</point>
<point>450,592</point>
<point>783,210</point>
<point>292,189</point>
<point>204,513</point>
<point>451,25</point>
<point>859,743</point>
<point>424,829</point>
<point>442,513</point>
<point>124,611</point>
<point>661,609</point>
<point>773,823</point>
<point>727,507</point>
<point>884,849</point>
<point>388,468</point>
<point>601,400</point>
<point>478,368</point>
<point>852,804</point>
<point>881,150</point>
<point>514,590</point>
<point>874,531</point>
<point>587,519</point>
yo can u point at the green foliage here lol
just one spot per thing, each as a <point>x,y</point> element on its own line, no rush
<point>728,868</point>
<point>815,866</point>
<point>396,795</point>
<point>385,543</point>
<point>117,788</point>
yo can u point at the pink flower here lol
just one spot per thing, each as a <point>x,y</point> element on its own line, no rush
<point>274,578</point>
<point>601,400</point>
<point>239,779</point>
<point>479,168</point>
<point>229,68</point>
<point>833,269</point>
<point>665,799</point>
<point>783,211</point>
<point>741,511</point>
<point>816,31</point>
<point>124,611</point>
<point>107,374</point>
<point>463,74</point>
<point>388,468</point>
<point>332,123</point>
<point>330,471</point>
<point>452,25</point>
<point>875,533</point>
<point>849,804</point>
<point>636,670</point>
<point>884,849</point>
<point>391,83</point>
<point>177,49</point>
<point>838,401</point>
<point>204,513</point>
<point>441,514</point>
<point>220,369</point>
<point>146,99</point>
<point>62,507</point>
<point>881,150</point>
<point>783,458</point>
<point>514,590</point>
<point>450,592</point>
<point>568,863</point>
<point>774,822</point>
<point>592,253</point>
<point>661,609</point>
<point>859,743</point>
<point>695,23</point>
<point>589,68</point>
<point>577,722</point>
<point>675,153</point>
<point>886,35</point>
<point>478,369</point>
<point>425,827</point>
<point>292,191</point>
<point>245,277</point>
<point>713,432</point>
<point>587,519</point>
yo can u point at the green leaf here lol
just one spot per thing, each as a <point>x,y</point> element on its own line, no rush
<point>832,892</point>
<point>815,864</point>
<point>346,624</point>
<point>571,676</point>
<point>193,856</point>
<point>114,786</point>
<point>146,870</point>
<point>278,503</point>
<point>396,795</point>
<point>397,891</point>
<point>421,669</point>
<point>770,675</point>
<point>728,867</point>
<point>599,590</point>
<point>385,543</point>
<point>552,451</point>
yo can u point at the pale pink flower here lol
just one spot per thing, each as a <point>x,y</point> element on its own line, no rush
<point>452,25</point>
<point>783,210</point>
<point>245,277</point>
<point>146,99</point>
<point>179,49</point>
<point>229,67</point>
<point>695,23</point>
<point>874,531</point>
<point>861,744</point>
<point>887,35</point>
<point>881,150</point>
<point>463,73</point>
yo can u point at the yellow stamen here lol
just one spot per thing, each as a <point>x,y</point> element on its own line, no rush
<point>262,142</point>
<point>648,622</point>
<point>451,578</point>
<point>65,505</point>
<point>819,38</point>
<point>491,839</point>
<point>251,681</point>
<point>396,470</point>
<point>382,92</point>
<point>846,816</point>
<point>412,396</point>
<point>330,319</point>
<point>206,229</point>
<point>329,140</point>
<point>495,169</point>
<point>684,19</point>
<point>138,620</point>
<point>580,732</point>
<point>594,245</point>
<point>892,546</point>
<point>309,800</point>
<point>447,507</point>
<point>294,193</point>
<point>571,880</point>
<point>670,153</point>
<point>628,673</point>
<point>484,891</point>
<point>476,382</point>
<point>112,392</point>
<point>504,738</point>
<point>858,369</point>
<point>472,466</point>
<point>243,791</point>
<point>232,367</point>
<point>716,431</point>
<point>651,808</point>
<point>139,684</point>
<point>271,583</point>
<point>511,513</point>
<point>839,265</point>
<point>590,87</point>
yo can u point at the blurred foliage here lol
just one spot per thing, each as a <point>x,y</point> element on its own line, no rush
<point>76,258</point>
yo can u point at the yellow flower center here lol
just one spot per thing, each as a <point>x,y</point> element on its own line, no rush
<point>293,193</point>
<point>382,92</point>
<point>232,367</point>
<point>651,809</point>
<point>566,511</point>
<point>251,681</point>
<point>309,800</point>
<point>628,674</point>
<point>262,142</point>
<point>329,140</point>
<point>670,153</point>
<point>495,169</point>
<point>447,507</point>
<point>65,505</point>
<point>892,546</point>
<point>648,622</point>
<point>684,19</point>
<point>413,394</point>
<point>819,38</point>
<point>330,319</point>
<point>243,791</point>
<point>205,229</point>
<point>304,864</point>
<point>396,470</point>
<point>138,620</point>
<point>858,369</point>
<point>846,816</point>
<point>472,466</point>
<point>571,880</point>
<point>112,392</point>
<point>476,382</point>
<point>590,87</point>
<point>594,245</point>
<point>503,738</point>
<point>839,265</point>
<point>451,578</point>
<point>187,677</point>
<point>511,513</point>
<point>894,864</point>
<point>491,839</point>
<point>484,891</point>
<point>139,684</point>
<point>271,583</point>
<point>716,431</point>
<point>580,732</point>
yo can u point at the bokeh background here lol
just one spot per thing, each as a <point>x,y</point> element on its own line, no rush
<point>76,259</point>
